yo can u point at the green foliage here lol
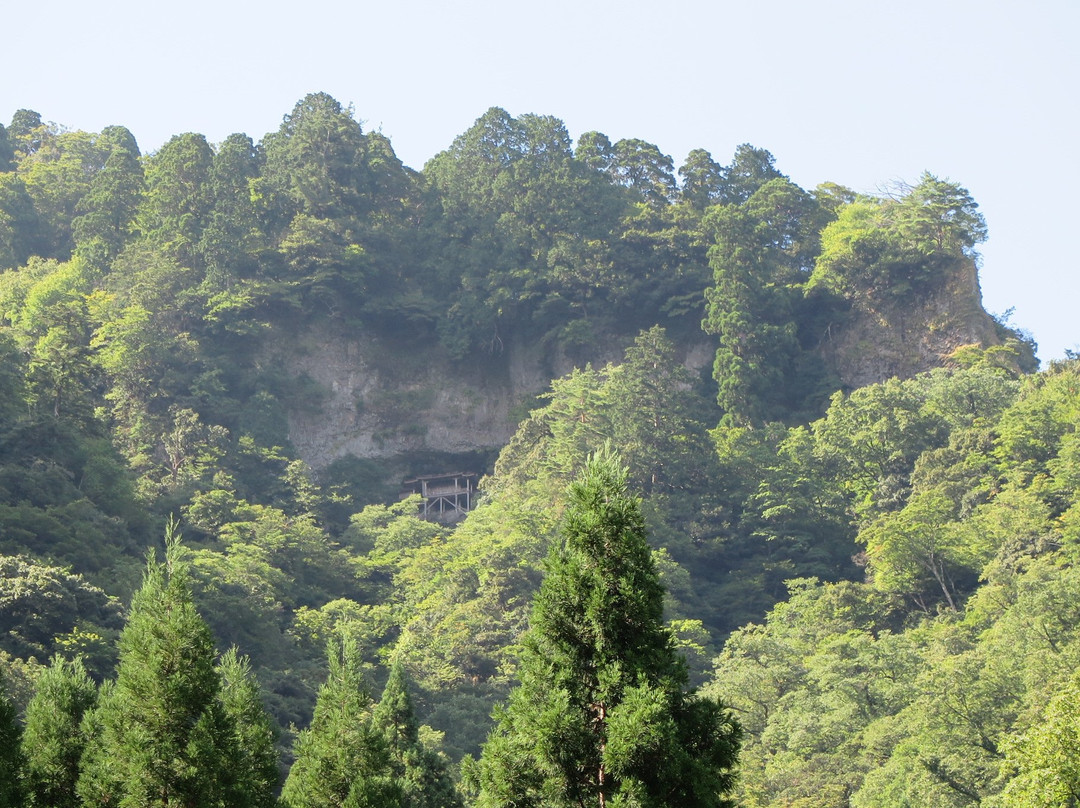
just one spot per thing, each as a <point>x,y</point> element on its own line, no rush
<point>422,771</point>
<point>160,732</point>
<point>252,767</point>
<point>54,737</point>
<point>342,759</point>
<point>751,169</point>
<point>946,679</point>
<point>58,169</point>
<point>7,150</point>
<point>108,211</point>
<point>701,179</point>
<point>642,168</point>
<point>231,233</point>
<point>316,156</point>
<point>47,309</point>
<point>18,222</point>
<point>761,250</point>
<point>11,756</point>
<point>144,303</point>
<point>895,247</point>
<point>45,609</point>
<point>914,542</point>
<point>519,213</point>
<point>875,435</point>
<point>1045,757</point>
<point>176,208</point>
<point>601,712</point>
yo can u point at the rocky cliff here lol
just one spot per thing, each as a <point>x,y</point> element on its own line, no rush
<point>382,399</point>
<point>882,339</point>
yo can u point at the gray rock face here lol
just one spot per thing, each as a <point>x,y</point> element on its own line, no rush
<point>382,400</point>
<point>880,341</point>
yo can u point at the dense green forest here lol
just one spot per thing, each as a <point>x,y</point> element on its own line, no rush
<point>855,573</point>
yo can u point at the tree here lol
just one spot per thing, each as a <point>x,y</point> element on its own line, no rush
<point>7,150</point>
<point>874,436</point>
<point>107,211</point>
<point>26,131</point>
<point>58,173</point>
<point>519,214</point>
<point>56,332</point>
<point>651,419</point>
<point>920,542</point>
<point>766,364</point>
<point>18,222</point>
<point>641,167</point>
<point>938,216</point>
<point>316,159</point>
<point>702,179</point>
<point>594,150</point>
<point>750,312</point>
<point>53,740</point>
<point>887,248</point>
<point>177,203</point>
<point>40,603</point>
<point>602,715</point>
<point>341,759</point>
<point>809,684</point>
<point>421,771</point>
<point>232,232</point>
<point>253,761</point>
<point>750,169</point>
<point>11,760</point>
<point>161,734</point>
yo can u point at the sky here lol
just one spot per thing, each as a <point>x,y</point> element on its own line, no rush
<point>859,92</point>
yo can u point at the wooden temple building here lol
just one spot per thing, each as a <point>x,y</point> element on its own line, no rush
<point>446,497</point>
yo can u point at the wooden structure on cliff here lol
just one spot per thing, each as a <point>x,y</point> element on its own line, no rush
<point>447,497</point>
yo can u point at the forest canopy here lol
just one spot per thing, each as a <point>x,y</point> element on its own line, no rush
<point>853,523</point>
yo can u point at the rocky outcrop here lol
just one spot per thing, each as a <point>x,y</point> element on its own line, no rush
<point>881,340</point>
<point>381,400</point>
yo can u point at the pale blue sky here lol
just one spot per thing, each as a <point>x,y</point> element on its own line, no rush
<point>983,92</point>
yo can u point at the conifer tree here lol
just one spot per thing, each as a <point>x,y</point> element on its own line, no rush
<point>53,740</point>
<point>98,784</point>
<point>421,771</point>
<point>341,759</point>
<point>252,757</point>
<point>602,715</point>
<point>11,762</point>
<point>161,732</point>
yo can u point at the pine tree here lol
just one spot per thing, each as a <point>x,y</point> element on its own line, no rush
<point>421,771</point>
<point>252,763</point>
<point>602,715</point>
<point>98,784</point>
<point>53,740</point>
<point>11,760</point>
<point>160,731</point>
<point>341,759</point>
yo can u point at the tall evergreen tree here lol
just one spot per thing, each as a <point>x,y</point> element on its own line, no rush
<point>761,256</point>
<point>53,740</point>
<point>19,225</point>
<point>11,761</point>
<point>602,715</point>
<point>161,737</point>
<point>341,759</point>
<point>7,151</point>
<point>651,418</point>
<point>421,771</point>
<point>252,757</point>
